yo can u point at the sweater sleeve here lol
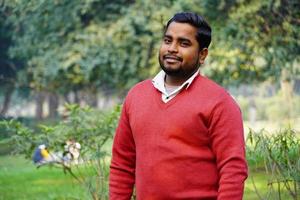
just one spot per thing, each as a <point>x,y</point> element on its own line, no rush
<point>228,145</point>
<point>122,168</point>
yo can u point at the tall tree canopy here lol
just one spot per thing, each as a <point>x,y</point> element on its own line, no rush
<point>110,45</point>
<point>258,41</point>
<point>9,67</point>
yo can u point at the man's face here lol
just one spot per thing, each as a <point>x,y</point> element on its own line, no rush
<point>179,54</point>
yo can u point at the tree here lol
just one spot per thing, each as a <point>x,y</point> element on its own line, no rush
<point>8,67</point>
<point>70,47</point>
<point>259,40</point>
<point>97,45</point>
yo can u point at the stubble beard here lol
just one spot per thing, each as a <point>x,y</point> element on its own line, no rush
<point>179,72</point>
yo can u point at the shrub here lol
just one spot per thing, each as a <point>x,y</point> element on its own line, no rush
<point>279,155</point>
<point>91,128</point>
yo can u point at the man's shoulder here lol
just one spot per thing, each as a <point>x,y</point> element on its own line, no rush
<point>210,86</point>
<point>139,92</point>
<point>213,90</point>
<point>140,88</point>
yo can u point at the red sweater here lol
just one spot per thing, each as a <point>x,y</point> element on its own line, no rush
<point>189,148</point>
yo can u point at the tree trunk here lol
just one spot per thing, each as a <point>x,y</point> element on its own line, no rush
<point>7,99</point>
<point>53,104</point>
<point>67,98</point>
<point>76,97</point>
<point>286,85</point>
<point>39,110</point>
<point>93,97</point>
<point>287,92</point>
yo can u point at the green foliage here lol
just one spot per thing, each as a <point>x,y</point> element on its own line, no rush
<point>112,45</point>
<point>256,42</point>
<point>70,46</point>
<point>19,136</point>
<point>6,146</point>
<point>279,154</point>
<point>91,128</point>
<point>8,67</point>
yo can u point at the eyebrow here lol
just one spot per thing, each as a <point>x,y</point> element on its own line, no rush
<point>167,36</point>
<point>181,39</point>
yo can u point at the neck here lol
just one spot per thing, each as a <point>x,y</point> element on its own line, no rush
<point>172,80</point>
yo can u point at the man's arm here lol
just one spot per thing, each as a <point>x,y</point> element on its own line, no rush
<point>122,168</point>
<point>226,129</point>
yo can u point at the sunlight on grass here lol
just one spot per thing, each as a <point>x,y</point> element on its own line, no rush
<point>261,182</point>
<point>19,179</point>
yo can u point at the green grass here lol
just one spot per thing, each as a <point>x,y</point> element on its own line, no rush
<point>261,182</point>
<point>21,180</point>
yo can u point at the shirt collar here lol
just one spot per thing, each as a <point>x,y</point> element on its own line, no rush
<point>159,81</point>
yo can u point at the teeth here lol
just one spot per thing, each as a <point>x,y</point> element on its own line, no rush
<point>171,58</point>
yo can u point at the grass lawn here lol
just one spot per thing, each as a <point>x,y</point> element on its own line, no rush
<point>19,179</point>
<point>260,180</point>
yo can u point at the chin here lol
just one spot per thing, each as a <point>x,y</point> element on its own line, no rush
<point>171,71</point>
<point>171,67</point>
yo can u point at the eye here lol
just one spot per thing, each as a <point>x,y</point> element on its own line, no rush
<point>185,44</point>
<point>167,40</point>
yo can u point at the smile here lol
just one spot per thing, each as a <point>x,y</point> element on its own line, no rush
<point>172,58</point>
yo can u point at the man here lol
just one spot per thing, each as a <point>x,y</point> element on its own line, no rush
<point>180,136</point>
<point>41,154</point>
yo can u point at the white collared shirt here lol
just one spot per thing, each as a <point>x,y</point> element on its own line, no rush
<point>159,83</point>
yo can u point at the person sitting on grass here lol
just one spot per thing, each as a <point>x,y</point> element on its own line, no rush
<point>41,156</point>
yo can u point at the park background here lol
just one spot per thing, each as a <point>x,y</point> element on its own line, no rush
<point>66,66</point>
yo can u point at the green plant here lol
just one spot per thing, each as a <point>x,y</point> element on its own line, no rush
<point>279,156</point>
<point>89,127</point>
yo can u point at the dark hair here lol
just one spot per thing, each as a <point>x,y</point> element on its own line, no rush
<point>203,35</point>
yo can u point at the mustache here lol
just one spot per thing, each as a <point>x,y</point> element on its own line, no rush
<point>172,57</point>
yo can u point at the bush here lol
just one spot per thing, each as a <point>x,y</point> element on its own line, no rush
<point>6,146</point>
<point>91,128</point>
<point>279,155</point>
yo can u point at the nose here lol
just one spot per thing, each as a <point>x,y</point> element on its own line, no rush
<point>172,48</point>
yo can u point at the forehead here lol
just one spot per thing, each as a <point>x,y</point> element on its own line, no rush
<point>182,30</point>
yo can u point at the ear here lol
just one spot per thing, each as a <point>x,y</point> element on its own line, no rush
<point>202,55</point>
